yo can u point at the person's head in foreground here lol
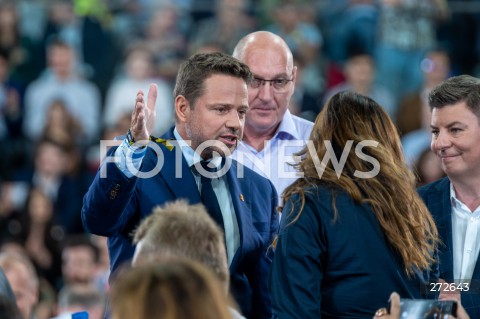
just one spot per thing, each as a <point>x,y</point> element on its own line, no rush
<point>178,229</point>
<point>175,289</point>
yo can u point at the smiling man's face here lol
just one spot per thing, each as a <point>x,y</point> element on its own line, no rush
<point>456,140</point>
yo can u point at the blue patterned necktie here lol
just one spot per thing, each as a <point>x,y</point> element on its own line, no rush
<point>209,199</point>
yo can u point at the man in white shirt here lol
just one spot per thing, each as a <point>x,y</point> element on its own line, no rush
<point>272,135</point>
<point>454,201</point>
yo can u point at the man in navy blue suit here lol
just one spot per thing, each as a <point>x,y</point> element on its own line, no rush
<point>454,201</point>
<point>211,101</point>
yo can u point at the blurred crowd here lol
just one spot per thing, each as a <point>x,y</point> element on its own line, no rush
<point>70,70</point>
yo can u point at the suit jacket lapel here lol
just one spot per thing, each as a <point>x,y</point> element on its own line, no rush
<point>179,178</point>
<point>476,271</point>
<point>441,208</point>
<point>241,197</point>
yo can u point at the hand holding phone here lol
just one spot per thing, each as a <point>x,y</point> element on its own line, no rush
<point>426,309</point>
<point>431,309</point>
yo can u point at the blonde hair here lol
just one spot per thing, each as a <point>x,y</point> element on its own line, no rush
<point>178,229</point>
<point>403,216</point>
<point>177,289</point>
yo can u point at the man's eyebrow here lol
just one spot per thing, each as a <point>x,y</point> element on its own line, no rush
<point>275,77</point>
<point>449,125</point>
<point>455,123</point>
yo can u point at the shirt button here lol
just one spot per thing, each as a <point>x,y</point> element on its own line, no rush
<point>472,219</point>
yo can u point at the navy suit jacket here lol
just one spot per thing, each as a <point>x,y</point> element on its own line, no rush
<point>436,196</point>
<point>336,268</point>
<point>113,207</point>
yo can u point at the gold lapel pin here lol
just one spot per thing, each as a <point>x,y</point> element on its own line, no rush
<point>241,198</point>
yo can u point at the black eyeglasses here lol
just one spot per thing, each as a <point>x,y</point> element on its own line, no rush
<point>279,85</point>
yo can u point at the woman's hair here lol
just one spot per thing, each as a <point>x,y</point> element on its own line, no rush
<point>174,289</point>
<point>376,175</point>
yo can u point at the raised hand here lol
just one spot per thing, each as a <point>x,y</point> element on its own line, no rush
<point>143,116</point>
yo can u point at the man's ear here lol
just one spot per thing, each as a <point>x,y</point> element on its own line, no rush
<point>182,108</point>
<point>294,74</point>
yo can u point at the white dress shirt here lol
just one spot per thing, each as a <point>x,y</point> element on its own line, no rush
<point>465,238</point>
<point>273,161</point>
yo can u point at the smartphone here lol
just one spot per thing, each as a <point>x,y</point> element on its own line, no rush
<point>426,309</point>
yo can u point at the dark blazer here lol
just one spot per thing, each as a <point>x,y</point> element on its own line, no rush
<point>436,196</point>
<point>113,207</point>
<point>336,268</point>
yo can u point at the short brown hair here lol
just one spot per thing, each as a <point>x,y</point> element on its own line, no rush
<point>178,229</point>
<point>462,88</point>
<point>201,66</point>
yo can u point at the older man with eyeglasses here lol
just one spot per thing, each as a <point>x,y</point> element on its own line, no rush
<point>272,135</point>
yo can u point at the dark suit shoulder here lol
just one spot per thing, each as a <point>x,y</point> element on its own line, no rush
<point>325,194</point>
<point>437,186</point>
<point>319,199</point>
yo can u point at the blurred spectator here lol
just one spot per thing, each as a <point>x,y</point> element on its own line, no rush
<point>12,200</point>
<point>206,47</point>
<point>435,68</point>
<point>12,143</point>
<point>427,168</point>
<point>79,260</point>
<point>359,74</point>
<point>138,75</point>
<point>92,43</point>
<point>102,270</point>
<point>415,115</point>
<point>10,103</point>
<point>415,142</point>
<point>229,24</point>
<point>61,81</point>
<point>19,50</point>
<point>23,280</point>
<point>460,35</point>
<point>304,103</point>
<point>167,42</point>
<point>36,231</point>
<point>32,18</point>
<point>304,40</point>
<point>93,154</point>
<point>49,174</point>
<point>406,31</point>
<point>201,10</point>
<point>354,26</point>
<point>80,298</point>
<point>45,306</point>
<point>61,126</point>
